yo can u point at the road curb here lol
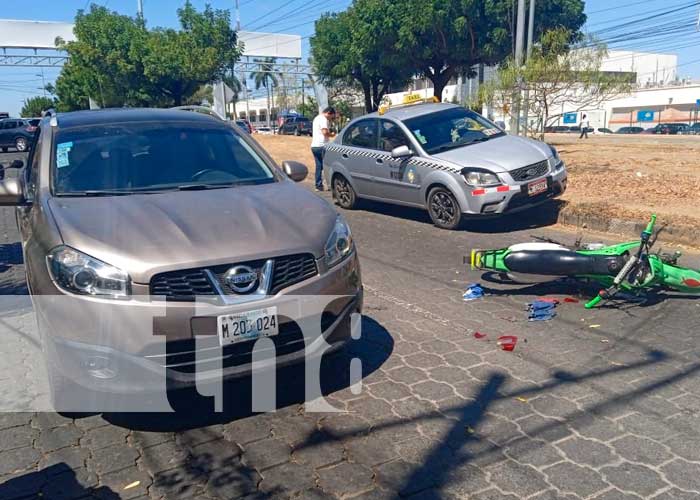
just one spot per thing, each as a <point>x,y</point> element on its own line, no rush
<point>576,215</point>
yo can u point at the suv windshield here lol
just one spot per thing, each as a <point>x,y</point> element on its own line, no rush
<point>142,157</point>
<point>450,129</point>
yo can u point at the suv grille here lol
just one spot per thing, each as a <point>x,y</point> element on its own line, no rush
<point>530,172</point>
<point>186,285</point>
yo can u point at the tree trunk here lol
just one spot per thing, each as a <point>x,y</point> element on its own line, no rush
<point>440,80</point>
<point>368,97</point>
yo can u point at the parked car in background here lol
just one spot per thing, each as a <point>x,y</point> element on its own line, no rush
<point>442,157</point>
<point>108,231</point>
<point>670,128</point>
<point>557,129</point>
<point>693,129</point>
<point>16,133</point>
<point>295,125</point>
<point>245,125</point>
<point>603,130</point>
<point>630,130</point>
<point>263,130</point>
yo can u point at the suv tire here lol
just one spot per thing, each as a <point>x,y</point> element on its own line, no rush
<point>343,193</point>
<point>444,209</point>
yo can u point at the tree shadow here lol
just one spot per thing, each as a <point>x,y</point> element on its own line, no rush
<point>543,215</point>
<point>193,411</point>
<point>56,481</point>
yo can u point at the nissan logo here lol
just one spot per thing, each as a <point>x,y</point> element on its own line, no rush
<point>531,172</point>
<point>241,279</point>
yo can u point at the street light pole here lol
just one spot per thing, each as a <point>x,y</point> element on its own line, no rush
<point>530,36</point>
<point>519,40</point>
<point>139,8</point>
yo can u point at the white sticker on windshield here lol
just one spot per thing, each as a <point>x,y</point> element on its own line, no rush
<point>62,150</point>
<point>490,131</point>
<point>420,137</point>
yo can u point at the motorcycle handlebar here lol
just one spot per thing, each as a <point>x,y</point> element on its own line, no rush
<point>650,226</point>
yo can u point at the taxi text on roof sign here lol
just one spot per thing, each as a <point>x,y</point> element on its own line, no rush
<point>407,100</point>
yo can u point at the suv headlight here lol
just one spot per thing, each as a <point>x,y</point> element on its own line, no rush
<point>76,272</point>
<point>480,178</point>
<point>339,244</point>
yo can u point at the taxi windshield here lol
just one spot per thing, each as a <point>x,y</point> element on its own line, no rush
<point>451,128</point>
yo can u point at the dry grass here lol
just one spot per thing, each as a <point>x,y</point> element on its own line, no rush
<point>620,176</point>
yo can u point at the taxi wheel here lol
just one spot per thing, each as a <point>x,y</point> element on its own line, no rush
<point>343,193</point>
<point>444,209</point>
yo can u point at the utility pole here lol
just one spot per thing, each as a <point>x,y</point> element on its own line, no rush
<point>530,36</point>
<point>139,8</point>
<point>519,40</point>
<point>238,16</point>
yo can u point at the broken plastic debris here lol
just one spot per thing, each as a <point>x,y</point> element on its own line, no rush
<point>571,300</point>
<point>470,430</point>
<point>605,341</point>
<point>479,335</point>
<point>473,292</point>
<point>593,326</point>
<point>507,342</point>
<point>550,300</point>
<point>132,485</point>
<point>521,399</point>
<point>541,310</point>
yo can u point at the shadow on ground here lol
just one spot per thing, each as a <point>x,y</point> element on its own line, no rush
<point>544,215</point>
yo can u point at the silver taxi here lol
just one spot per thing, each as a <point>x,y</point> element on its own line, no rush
<point>444,158</point>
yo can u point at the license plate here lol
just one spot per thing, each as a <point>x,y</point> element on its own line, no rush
<point>537,187</point>
<point>248,325</point>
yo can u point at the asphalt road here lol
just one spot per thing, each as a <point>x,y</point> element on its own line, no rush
<point>575,411</point>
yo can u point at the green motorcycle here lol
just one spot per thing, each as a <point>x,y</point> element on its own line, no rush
<point>629,267</point>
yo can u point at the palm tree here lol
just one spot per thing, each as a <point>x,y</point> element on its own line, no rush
<point>265,76</point>
<point>236,86</point>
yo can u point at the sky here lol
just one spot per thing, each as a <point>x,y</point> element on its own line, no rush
<point>672,33</point>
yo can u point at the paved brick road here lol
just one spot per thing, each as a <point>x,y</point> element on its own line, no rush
<point>574,412</point>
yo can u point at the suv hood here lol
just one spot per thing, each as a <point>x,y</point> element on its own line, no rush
<point>145,234</point>
<point>501,154</point>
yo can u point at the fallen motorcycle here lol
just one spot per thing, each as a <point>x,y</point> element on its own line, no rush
<point>628,267</point>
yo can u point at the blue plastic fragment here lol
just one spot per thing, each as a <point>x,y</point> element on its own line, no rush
<point>541,311</point>
<point>473,292</point>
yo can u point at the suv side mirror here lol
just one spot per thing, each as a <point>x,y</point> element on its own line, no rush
<point>401,152</point>
<point>16,164</point>
<point>11,193</point>
<point>295,170</point>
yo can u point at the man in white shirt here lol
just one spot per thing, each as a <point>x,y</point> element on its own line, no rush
<point>320,137</point>
<point>585,124</point>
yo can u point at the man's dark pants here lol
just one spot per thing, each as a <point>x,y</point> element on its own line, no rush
<point>318,157</point>
<point>584,131</point>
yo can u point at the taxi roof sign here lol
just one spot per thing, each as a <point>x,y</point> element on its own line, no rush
<point>408,100</point>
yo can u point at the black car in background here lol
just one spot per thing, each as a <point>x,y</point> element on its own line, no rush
<point>630,130</point>
<point>297,125</point>
<point>669,128</point>
<point>245,125</point>
<point>16,133</point>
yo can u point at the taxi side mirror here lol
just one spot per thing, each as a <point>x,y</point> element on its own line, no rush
<point>401,152</point>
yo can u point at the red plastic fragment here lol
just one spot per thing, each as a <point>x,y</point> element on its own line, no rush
<point>507,342</point>
<point>478,335</point>
<point>551,300</point>
<point>571,300</point>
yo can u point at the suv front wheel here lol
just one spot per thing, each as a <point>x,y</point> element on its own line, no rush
<point>444,209</point>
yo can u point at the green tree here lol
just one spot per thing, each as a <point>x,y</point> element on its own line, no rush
<point>176,63</point>
<point>266,76</point>
<point>554,76</point>
<point>356,47</point>
<point>117,61</point>
<point>35,106</point>
<point>443,37</point>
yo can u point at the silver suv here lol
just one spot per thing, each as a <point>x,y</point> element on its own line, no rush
<point>147,231</point>
<point>442,157</point>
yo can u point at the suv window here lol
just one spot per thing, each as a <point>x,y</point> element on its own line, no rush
<point>362,134</point>
<point>138,157</point>
<point>391,136</point>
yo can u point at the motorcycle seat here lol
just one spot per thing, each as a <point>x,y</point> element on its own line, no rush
<point>563,263</point>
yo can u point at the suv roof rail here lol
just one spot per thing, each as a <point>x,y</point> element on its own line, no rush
<point>200,109</point>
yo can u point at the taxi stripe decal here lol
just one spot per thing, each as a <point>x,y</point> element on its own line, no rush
<point>368,153</point>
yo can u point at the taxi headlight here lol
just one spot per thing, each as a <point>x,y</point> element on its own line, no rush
<point>339,244</point>
<point>555,162</point>
<point>75,272</point>
<point>480,178</point>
